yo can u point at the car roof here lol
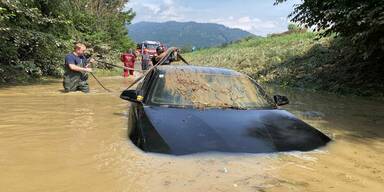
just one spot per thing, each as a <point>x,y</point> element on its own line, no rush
<point>197,69</point>
<point>151,42</point>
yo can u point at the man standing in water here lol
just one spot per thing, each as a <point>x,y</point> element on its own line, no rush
<point>76,69</point>
<point>145,60</point>
<point>129,61</point>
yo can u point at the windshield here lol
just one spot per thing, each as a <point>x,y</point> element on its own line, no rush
<point>208,90</point>
<point>151,46</point>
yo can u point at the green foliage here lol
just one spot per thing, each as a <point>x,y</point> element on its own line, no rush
<point>359,21</point>
<point>186,49</point>
<point>36,34</point>
<point>29,39</point>
<point>293,27</point>
<point>100,21</point>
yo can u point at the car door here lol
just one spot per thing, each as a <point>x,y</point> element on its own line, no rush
<point>140,123</point>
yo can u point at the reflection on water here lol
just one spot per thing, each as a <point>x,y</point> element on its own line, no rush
<point>50,141</point>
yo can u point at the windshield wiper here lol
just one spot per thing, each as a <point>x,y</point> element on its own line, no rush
<point>234,107</point>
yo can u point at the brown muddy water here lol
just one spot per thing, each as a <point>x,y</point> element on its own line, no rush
<point>51,141</point>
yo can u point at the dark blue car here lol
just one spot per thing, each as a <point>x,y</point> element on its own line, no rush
<point>190,109</point>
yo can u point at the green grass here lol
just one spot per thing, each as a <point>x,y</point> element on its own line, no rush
<point>260,58</point>
<point>249,56</point>
<point>294,60</point>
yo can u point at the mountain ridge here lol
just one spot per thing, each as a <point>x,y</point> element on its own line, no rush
<point>186,34</point>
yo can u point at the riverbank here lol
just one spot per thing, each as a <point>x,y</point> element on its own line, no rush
<point>300,60</point>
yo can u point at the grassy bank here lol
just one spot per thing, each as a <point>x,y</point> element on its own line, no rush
<point>295,60</point>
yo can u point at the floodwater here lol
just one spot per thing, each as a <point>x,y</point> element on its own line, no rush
<point>51,141</point>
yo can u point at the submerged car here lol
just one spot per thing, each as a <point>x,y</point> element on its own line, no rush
<point>190,109</point>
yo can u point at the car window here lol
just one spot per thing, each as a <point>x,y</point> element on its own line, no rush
<point>208,90</point>
<point>151,46</point>
<point>145,84</point>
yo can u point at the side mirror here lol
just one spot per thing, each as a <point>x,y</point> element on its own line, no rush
<point>280,100</point>
<point>130,95</point>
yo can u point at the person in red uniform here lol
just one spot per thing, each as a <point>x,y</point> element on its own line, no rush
<point>128,59</point>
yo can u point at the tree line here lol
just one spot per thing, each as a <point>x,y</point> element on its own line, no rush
<point>358,30</point>
<point>359,21</point>
<point>36,34</point>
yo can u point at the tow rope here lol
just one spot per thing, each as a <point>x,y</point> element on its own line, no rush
<point>182,59</point>
<point>118,66</point>
<point>100,82</point>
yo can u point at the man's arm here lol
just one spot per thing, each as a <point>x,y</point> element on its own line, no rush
<point>159,57</point>
<point>74,67</point>
<point>70,61</point>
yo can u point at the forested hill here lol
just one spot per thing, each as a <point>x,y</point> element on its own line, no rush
<point>186,34</point>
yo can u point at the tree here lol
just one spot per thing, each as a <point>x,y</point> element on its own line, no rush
<point>361,21</point>
<point>35,34</point>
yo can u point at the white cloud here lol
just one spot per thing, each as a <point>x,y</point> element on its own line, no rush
<point>168,2</point>
<point>170,11</point>
<point>154,9</point>
<point>253,25</point>
<point>157,11</point>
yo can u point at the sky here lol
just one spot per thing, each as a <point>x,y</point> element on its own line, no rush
<point>259,17</point>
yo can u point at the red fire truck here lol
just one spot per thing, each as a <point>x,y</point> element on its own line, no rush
<point>150,46</point>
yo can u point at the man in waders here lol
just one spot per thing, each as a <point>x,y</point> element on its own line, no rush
<point>76,69</point>
<point>145,60</point>
<point>161,53</point>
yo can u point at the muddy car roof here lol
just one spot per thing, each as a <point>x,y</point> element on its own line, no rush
<point>197,69</point>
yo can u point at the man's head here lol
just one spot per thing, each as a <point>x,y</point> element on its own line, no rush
<point>79,49</point>
<point>159,50</point>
